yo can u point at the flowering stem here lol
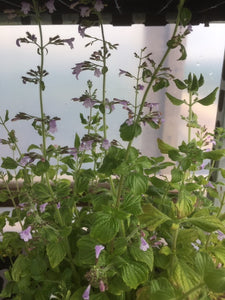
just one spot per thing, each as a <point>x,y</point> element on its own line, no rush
<point>149,86</point>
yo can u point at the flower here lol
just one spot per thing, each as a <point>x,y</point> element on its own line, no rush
<point>106,144</point>
<point>98,250</point>
<point>209,184</point>
<point>88,103</point>
<point>140,87</point>
<point>73,151</point>
<point>101,286</point>
<point>195,246</point>
<point>99,5</point>
<point>77,69</point>
<point>58,205</point>
<point>25,160</point>
<point>221,235</point>
<point>69,42</point>
<point>50,6</point>
<point>86,293</point>
<point>144,245</point>
<point>85,146</point>
<point>130,121</point>
<point>26,235</point>
<point>43,206</point>
<point>84,11</point>
<point>52,126</point>
<point>25,7</point>
<point>81,31</point>
<point>97,72</point>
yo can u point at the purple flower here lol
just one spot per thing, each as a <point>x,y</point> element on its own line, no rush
<point>58,205</point>
<point>26,235</point>
<point>130,121</point>
<point>50,6</point>
<point>69,42</point>
<point>97,72</point>
<point>85,146</point>
<point>52,126</point>
<point>106,144</point>
<point>84,11</point>
<point>198,242</point>
<point>98,250</point>
<point>209,184</point>
<point>99,5</point>
<point>101,286</point>
<point>221,235</point>
<point>73,151</point>
<point>43,206</point>
<point>140,87</point>
<point>88,103</point>
<point>81,31</point>
<point>25,160</point>
<point>122,72</point>
<point>25,7</point>
<point>86,293</point>
<point>144,245</point>
<point>77,69</point>
<point>195,246</point>
<point>189,28</point>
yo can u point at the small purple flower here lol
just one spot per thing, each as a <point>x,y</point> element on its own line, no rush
<point>85,146</point>
<point>106,144</point>
<point>122,72</point>
<point>73,151</point>
<point>140,87</point>
<point>77,69</point>
<point>88,103</point>
<point>97,72</point>
<point>198,242</point>
<point>102,286</point>
<point>26,235</point>
<point>58,205</point>
<point>189,28</point>
<point>25,160</point>
<point>84,11</point>
<point>130,121</point>
<point>195,246</point>
<point>50,6</point>
<point>52,126</point>
<point>98,250</point>
<point>69,42</point>
<point>86,293</point>
<point>42,207</point>
<point>99,5</point>
<point>221,235</point>
<point>25,7</point>
<point>81,31</point>
<point>209,184</point>
<point>144,245</point>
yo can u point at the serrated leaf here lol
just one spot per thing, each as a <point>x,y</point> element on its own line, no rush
<point>207,223</point>
<point>214,154</point>
<point>208,100</point>
<point>215,280</point>
<point>132,204</point>
<point>104,228</point>
<point>128,132</point>
<point>160,84</point>
<point>177,175</point>
<point>200,80</point>
<point>41,167</point>
<point>41,191</point>
<point>174,100</point>
<point>134,273</point>
<point>9,163</point>
<point>20,267</point>
<point>137,183</point>
<point>77,141</point>
<point>56,252</point>
<point>143,256</point>
<point>180,84</point>
<point>86,251</point>
<point>152,217</point>
<point>219,253</point>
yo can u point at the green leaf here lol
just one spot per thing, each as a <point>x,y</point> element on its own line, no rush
<point>215,280</point>
<point>185,16</point>
<point>77,141</point>
<point>128,132</point>
<point>56,252</point>
<point>132,204</point>
<point>69,161</point>
<point>214,154</point>
<point>86,251</point>
<point>137,183</point>
<point>185,204</point>
<point>41,191</point>
<point>152,217</point>
<point>208,223</point>
<point>174,100</point>
<point>180,84</point>
<point>183,53</point>
<point>163,147</point>
<point>201,80</point>
<point>219,253</point>
<point>105,227</point>
<point>194,84</point>
<point>6,116</point>
<point>142,256</point>
<point>160,84</point>
<point>134,273</point>
<point>20,267</point>
<point>83,120</point>
<point>9,163</point>
<point>208,100</point>
<point>41,167</point>
<point>177,175</point>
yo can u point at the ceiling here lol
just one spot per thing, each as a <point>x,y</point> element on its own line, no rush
<point>126,12</point>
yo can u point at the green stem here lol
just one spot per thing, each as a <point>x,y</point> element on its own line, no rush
<point>149,86</point>
<point>188,293</point>
<point>189,116</point>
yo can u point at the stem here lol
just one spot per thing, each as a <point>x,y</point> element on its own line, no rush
<point>149,86</point>
<point>189,116</point>
<point>195,288</point>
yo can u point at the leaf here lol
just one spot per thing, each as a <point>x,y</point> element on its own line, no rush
<point>134,273</point>
<point>143,256</point>
<point>183,53</point>
<point>56,252</point>
<point>129,132</point>
<point>177,175</point>
<point>152,217</point>
<point>41,191</point>
<point>207,222</point>
<point>9,163</point>
<point>86,251</point>
<point>137,183</point>
<point>194,84</point>
<point>41,167</point>
<point>219,252</point>
<point>185,16</point>
<point>214,154</point>
<point>174,100</point>
<point>77,141</point>
<point>164,147</point>
<point>215,280</point>
<point>20,267</point>
<point>208,100</point>
<point>180,84</point>
<point>160,84</point>
<point>132,204</point>
<point>105,227</point>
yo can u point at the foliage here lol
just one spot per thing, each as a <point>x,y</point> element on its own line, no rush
<point>115,230</point>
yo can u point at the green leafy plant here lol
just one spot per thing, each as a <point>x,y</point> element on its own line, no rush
<point>115,229</point>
